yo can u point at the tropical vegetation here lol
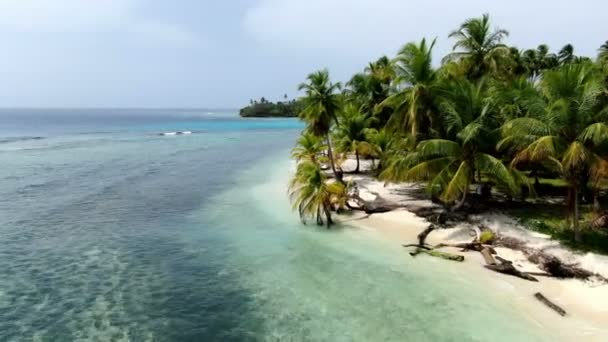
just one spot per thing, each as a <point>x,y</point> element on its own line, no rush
<point>486,115</point>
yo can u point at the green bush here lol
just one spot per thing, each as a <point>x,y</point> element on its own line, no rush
<point>487,237</point>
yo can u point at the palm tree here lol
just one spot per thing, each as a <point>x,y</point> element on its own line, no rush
<point>478,47</point>
<point>350,134</point>
<point>414,109</point>
<point>518,97</point>
<point>566,139</point>
<point>321,103</point>
<point>308,147</point>
<point>449,164</point>
<point>383,143</point>
<point>370,88</point>
<point>539,59</point>
<point>566,55</point>
<point>312,195</point>
<point>602,56</point>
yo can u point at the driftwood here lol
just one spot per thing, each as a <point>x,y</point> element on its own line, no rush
<point>487,256</point>
<point>550,304</point>
<point>506,267</point>
<point>465,246</point>
<point>549,263</point>
<point>439,254</point>
<point>378,205</point>
<point>422,247</point>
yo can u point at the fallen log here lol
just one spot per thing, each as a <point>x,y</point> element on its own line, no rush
<point>506,267</point>
<point>423,235</point>
<point>377,206</point>
<point>549,263</point>
<point>550,304</point>
<point>466,246</point>
<point>487,256</point>
<point>439,254</point>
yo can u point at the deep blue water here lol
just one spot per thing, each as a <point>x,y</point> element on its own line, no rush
<point>111,232</point>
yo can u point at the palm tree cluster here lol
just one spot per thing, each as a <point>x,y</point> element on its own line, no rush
<point>490,114</point>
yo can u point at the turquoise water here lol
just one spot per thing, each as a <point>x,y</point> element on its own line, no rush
<point>109,231</point>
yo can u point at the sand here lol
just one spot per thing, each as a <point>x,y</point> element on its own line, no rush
<point>586,303</point>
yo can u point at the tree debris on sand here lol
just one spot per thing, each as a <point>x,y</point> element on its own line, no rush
<point>550,304</point>
<point>422,247</point>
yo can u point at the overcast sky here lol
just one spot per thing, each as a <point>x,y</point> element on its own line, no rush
<point>219,54</point>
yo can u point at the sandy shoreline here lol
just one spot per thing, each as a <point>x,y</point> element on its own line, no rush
<point>585,302</point>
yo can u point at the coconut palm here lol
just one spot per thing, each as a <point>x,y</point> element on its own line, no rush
<point>370,88</point>
<point>449,164</point>
<point>350,133</point>
<point>518,97</point>
<point>312,195</point>
<point>414,109</point>
<point>566,55</point>
<point>308,147</point>
<point>479,47</point>
<point>539,59</point>
<point>321,104</point>
<point>567,137</point>
<point>382,143</point>
<point>602,56</point>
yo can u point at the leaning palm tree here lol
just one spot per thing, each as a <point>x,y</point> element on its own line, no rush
<point>415,111</point>
<point>350,134</point>
<point>567,138</point>
<point>478,47</point>
<point>308,147</point>
<point>449,164</point>
<point>321,104</point>
<point>312,195</point>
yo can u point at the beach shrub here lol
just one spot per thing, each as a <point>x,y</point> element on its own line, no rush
<point>487,237</point>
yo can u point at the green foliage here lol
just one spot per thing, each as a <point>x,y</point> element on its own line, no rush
<point>271,109</point>
<point>312,195</point>
<point>491,113</point>
<point>479,48</point>
<point>487,237</point>
<point>321,102</point>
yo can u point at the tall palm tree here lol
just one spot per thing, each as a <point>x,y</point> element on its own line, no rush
<point>308,147</point>
<point>321,104</point>
<point>370,88</point>
<point>350,133</point>
<point>449,164</point>
<point>566,54</point>
<point>312,195</point>
<point>479,47</point>
<point>566,139</point>
<point>414,109</point>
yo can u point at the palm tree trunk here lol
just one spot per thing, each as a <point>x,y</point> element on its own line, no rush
<point>577,233</point>
<point>460,203</point>
<point>569,205</point>
<point>319,217</point>
<point>596,201</point>
<point>330,154</point>
<point>357,156</point>
<point>328,216</point>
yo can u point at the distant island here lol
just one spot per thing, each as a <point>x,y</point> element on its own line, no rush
<point>265,108</point>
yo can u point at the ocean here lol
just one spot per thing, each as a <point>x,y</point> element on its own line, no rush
<point>110,231</point>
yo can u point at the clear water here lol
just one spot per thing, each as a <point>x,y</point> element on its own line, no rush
<point>110,232</point>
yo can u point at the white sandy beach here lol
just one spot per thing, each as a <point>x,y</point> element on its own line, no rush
<point>586,303</point>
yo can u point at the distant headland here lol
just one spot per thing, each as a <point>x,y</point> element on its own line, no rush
<point>264,108</point>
